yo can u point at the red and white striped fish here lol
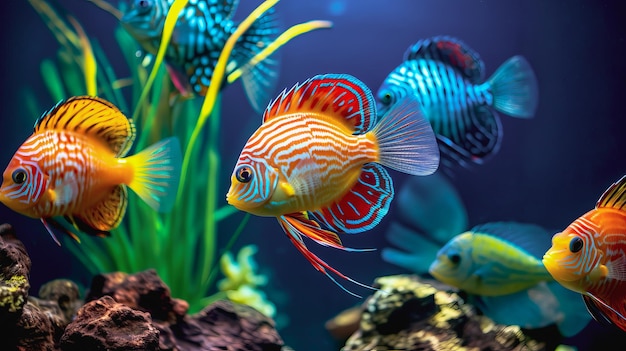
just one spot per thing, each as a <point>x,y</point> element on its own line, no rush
<point>589,257</point>
<point>73,166</point>
<point>315,162</point>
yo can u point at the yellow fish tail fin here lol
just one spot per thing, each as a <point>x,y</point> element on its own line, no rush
<point>406,140</point>
<point>157,172</point>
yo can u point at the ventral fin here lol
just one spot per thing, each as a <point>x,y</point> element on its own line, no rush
<point>292,226</point>
<point>450,51</point>
<point>91,116</point>
<point>338,96</point>
<point>614,196</point>
<point>180,81</point>
<point>105,216</point>
<point>51,223</point>
<point>362,207</point>
<point>312,230</point>
<point>603,313</point>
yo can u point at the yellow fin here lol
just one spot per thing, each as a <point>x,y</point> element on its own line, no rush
<point>614,196</point>
<point>105,216</point>
<point>92,116</point>
<point>157,173</point>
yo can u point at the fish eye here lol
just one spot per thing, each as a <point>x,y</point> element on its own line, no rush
<point>386,98</point>
<point>454,258</point>
<point>143,4</point>
<point>576,244</point>
<point>243,174</point>
<point>19,176</point>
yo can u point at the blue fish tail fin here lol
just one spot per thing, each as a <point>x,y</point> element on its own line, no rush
<point>406,140</point>
<point>514,88</point>
<point>575,316</point>
<point>259,79</point>
<point>537,307</point>
<point>157,172</point>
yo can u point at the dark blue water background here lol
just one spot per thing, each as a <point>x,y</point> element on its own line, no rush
<point>549,170</point>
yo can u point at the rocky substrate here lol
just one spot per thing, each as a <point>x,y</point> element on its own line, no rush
<point>120,312</point>
<point>408,313</point>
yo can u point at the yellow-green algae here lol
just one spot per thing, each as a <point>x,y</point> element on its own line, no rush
<point>409,314</point>
<point>12,292</point>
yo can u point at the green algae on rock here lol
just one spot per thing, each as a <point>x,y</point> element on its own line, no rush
<point>14,270</point>
<point>409,314</point>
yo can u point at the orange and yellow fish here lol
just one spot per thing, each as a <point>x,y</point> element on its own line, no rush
<point>316,161</point>
<point>589,257</point>
<point>73,165</point>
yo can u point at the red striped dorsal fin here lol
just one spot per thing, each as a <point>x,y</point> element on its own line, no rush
<point>614,196</point>
<point>91,116</point>
<point>340,96</point>
<point>450,51</point>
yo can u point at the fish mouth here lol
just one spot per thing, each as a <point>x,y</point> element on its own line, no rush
<point>560,272</point>
<point>549,262</point>
<point>234,199</point>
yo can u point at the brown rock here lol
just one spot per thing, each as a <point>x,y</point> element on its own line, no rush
<point>143,291</point>
<point>65,294</point>
<point>227,326</point>
<point>39,327</point>
<point>14,271</point>
<point>221,326</point>
<point>104,324</point>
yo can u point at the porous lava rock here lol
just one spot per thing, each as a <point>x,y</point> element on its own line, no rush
<point>223,325</point>
<point>106,325</point>
<point>123,312</point>
<point>407,313</point>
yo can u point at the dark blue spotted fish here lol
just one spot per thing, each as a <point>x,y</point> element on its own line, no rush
<point>446,76</point>
<point>199,35</point>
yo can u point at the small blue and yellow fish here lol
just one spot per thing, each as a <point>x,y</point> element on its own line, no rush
<point>499,265</point>
<point>73,165</point>
<point>446,76</point>
<point>493,259</point>
<point>316,162</point>
<point>199,36</point>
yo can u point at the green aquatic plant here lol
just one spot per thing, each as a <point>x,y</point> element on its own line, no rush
<point>180,245</point>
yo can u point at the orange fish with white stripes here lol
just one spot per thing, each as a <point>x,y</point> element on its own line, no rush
<point>73,166</point>
<point>316,161</point>
<point>589,257</point>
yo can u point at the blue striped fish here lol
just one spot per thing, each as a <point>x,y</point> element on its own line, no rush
<point>200,33</point>
<point>316,162</point>
<point>446,76</point>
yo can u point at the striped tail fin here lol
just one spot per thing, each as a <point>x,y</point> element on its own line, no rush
<point>514,88</point>
<point>406,140</point>
<point>259,80</point>
<point>157,172</point>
